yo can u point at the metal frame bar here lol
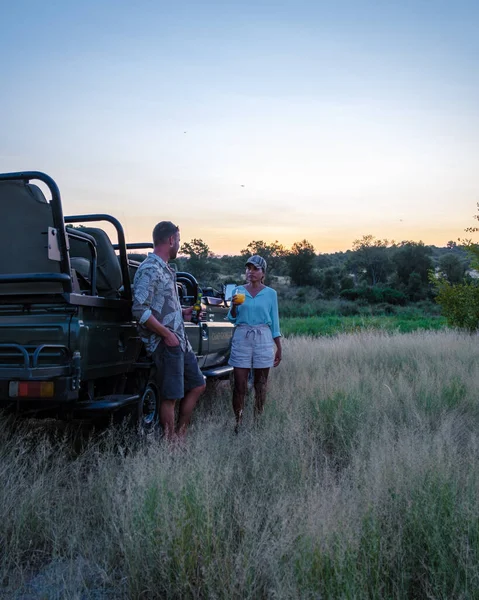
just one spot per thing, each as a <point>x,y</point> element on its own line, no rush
<point>135,246</point>
<point>30,369</point>
<point>36,277</point>
<point>121,243</point>
<point>91,241</point>
<point>42,347</point>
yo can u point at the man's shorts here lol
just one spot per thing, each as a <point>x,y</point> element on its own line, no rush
<point>252,346</point>
<point>176,372</point>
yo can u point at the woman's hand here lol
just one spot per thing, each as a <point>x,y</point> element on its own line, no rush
<point>277,357</point>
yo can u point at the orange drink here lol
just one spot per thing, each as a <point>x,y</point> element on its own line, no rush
<point>239,296</point>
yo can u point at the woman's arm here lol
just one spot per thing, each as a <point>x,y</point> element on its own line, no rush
<point>275,329</point>
<point>279,352</point>
<point>233,312</point>
<point>274,313</point>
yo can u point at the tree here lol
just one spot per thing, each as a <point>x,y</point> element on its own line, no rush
<point>323,261</point>
<point>412,257</point>
<point>415,288</point>
<point>371,259</point>
<point>460,301</point>
<point>330,280</point>
<point>301,260</point>
<point>452,267</point>
<point>199,255</point>
<point>274,255</point>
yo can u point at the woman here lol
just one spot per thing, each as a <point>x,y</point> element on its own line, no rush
<point>256,341</point>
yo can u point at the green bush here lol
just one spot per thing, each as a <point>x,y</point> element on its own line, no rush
<point>383,308</point>
<point>395,297</point>
<point>459,303</point>
<point>374,295</point>
<point>351,294</point>
<point>347,309</point>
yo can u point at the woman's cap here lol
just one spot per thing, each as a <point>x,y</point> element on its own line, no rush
<point>257,261</point>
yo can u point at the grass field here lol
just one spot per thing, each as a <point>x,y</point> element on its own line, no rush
<point>361,480</point>
<point>335,324</point>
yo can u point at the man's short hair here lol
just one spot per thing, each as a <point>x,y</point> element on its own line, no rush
<point>163,231</point>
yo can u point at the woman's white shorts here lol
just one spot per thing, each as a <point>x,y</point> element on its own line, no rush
<point>252,346</point>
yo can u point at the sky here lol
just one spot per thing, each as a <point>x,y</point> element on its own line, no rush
<point>251,120</point>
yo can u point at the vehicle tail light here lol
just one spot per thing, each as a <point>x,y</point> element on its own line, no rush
<point>31,389</point>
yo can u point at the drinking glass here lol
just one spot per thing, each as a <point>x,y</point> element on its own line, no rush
<point>239,292</point>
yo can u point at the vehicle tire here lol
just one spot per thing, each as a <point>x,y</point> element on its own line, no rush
<point>148,410</point>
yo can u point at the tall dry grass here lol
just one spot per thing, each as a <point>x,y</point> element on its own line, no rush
<point>359,481</point>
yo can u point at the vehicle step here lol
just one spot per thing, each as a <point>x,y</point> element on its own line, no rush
<point>107,403</point>
<point>218,371</point>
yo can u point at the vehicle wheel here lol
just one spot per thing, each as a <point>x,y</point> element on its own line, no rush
<point>148,410</point>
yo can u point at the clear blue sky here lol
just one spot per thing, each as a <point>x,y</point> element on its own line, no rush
<point>338,118</point>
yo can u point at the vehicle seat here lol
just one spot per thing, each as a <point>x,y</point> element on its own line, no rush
<point>26,217</point>
<point>109,279</point>
<point>82,268</point>
<point>132,267</point>
<point>182,293</point>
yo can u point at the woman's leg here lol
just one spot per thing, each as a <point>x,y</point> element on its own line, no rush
<point>260,381</point>
<point>239,392</point>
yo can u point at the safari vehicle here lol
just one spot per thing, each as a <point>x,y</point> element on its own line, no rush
<point>68,341</point>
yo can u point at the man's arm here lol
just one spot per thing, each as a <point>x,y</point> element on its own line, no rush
<point>187,313</point>
<point>154,325</point>
<point>145,285</point>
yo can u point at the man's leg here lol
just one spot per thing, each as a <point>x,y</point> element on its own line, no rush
<point>260,381</point>
<point>194,383</point>
<point>169,378</point>
<point>167,417</point>
<point>239,393</point>
<point>187,406</point>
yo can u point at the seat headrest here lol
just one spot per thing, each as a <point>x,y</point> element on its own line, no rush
<point>26,217</point>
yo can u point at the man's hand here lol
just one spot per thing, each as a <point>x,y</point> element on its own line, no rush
<point>171,340</point>
<point>187,313</point>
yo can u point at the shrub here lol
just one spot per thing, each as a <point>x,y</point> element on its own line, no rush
<point>351,294</point>
<point>392,296</point>
<point>374,295</point>
<point>459,303</point>
<point>347,309</point>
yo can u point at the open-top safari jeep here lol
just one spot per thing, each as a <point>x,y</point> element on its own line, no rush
<point>68,341</point>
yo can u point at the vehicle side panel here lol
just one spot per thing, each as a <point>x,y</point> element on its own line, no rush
<point>108,344</point>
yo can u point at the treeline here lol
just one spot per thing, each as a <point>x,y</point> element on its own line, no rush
<point>374,270</point>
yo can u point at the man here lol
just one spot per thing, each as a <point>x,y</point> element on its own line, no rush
<point>157,308</point>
